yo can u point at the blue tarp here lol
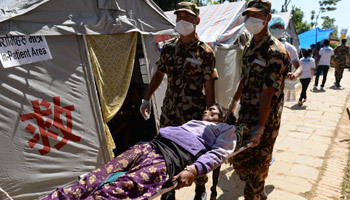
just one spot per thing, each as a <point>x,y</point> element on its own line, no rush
<point>309,37</point>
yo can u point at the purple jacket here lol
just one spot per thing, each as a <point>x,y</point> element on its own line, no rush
<point>194,136</point>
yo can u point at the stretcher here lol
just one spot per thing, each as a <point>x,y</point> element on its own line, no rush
<point>174,185</point>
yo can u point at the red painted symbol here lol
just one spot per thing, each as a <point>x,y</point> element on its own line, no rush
<point>45,124</point>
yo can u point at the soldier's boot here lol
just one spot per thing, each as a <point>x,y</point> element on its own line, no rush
<point>200,192</point>
<point>216,174</point>
<point>337,82</point>
<point>169,195</point>
<point>263,196</point>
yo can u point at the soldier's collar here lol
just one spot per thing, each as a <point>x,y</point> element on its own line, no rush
<point>264,39</point>
<point>194,41</point>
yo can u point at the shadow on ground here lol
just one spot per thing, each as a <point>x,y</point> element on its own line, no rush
<point>336,88</point>
<point>233,187</point>
<point>317,90</point>
<point>296,107</point>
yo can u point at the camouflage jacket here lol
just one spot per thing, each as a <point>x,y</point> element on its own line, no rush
<point>265,65</point>
<point>340,53</point>
<point>188,67</point>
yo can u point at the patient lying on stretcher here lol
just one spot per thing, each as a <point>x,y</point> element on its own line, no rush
<point>178,153</point>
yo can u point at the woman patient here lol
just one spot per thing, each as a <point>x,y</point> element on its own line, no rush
<point>178,153</point>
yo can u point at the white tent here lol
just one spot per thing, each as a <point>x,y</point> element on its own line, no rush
<point>220,27</point>
<point>52,123</point>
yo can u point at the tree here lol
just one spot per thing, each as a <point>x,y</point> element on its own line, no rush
<point>167,5</point>
<point>300,25</point>
<point>222,1</point>
<point>329,23</point>
<point>326,6</point>
<point>285,5</point>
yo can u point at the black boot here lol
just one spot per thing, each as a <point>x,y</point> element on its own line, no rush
<point>216,174</point>
<point>169,195</point>
<point>200,193</point>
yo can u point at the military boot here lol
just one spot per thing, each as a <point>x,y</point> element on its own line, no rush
<point>200,193</point>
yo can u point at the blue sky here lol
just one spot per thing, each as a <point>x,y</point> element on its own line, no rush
<point>342,14</point>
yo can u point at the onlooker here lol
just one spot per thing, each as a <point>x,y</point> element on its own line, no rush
<point>323,62</point>
<point>190,66</point>
<point>266,64</point>
<point>308,65</point>
<point>341,53</point>
<point>277,28</point>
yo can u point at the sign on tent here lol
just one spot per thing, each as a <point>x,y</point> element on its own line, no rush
<point>20,50</point>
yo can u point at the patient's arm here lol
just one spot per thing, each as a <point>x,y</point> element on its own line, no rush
<point>186,177</point>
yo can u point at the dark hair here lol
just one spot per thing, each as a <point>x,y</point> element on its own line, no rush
<point>326,42</point>
<point>226,116</point>
<point>307,53</point>
<point>343,41</point>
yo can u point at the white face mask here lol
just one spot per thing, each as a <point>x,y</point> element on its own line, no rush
<point>254,25</point>
<point>278,33</point>
<point>184,28</point>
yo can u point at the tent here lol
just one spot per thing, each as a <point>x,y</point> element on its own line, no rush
<point>290,27</point>
<point>310,37</point>
<point>54,54</point>
<point>220,27</point>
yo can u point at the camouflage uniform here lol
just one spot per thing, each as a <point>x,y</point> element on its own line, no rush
<point>265,65</point>
<point>340,54</point>
<point>188,67</point>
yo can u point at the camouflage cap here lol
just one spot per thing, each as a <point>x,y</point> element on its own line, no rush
<point>258,5</point>
<point>188,7</point>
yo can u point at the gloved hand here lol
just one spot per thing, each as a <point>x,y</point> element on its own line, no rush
<point>256,132</point>
<point>145,109</point>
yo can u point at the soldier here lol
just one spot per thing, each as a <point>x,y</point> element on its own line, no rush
<point>265,67</point>
<point>190,66</point>
<point>341,53</point>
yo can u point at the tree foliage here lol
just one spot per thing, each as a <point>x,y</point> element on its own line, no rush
<point>285,5</point>
<point>300,25</point>
<point>326,6</point>
<point>167,5</point>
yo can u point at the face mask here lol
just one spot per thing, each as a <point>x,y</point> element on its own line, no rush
<point>278,33</point>
<point>254,25</point>
<point>184,28</point>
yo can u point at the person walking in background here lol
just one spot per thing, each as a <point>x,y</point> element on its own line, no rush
<point>323,62</point>
<point>308,65</point>
<point>266,64</point>
<point>341,54</point>
<point>190,67</point>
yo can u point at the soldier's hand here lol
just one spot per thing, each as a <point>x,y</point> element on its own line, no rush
<point>256,133</point>
<point>145,109</point>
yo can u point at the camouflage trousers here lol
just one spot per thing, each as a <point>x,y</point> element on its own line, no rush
<point>252,165</point>
<point>339,70</point>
